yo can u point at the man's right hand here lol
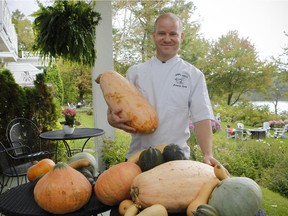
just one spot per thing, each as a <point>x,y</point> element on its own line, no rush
<point>114,119</point>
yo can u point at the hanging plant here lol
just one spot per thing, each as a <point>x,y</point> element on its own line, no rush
<point>66,30</point>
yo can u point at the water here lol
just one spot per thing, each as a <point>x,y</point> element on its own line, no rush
<point>282,105</point>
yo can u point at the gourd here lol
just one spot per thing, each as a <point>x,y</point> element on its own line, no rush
<point>135,157</point>
<point>154,210</point>
<point>62,190</point>
<point>221,172</point>
<point>173,152</point>
<point>132,210</point>
<point>205,210</point>
<point>203,196</point>
<point>236,196</point>
<point>113,185</point>
<point>83,159</point>
<point>118,92</point>
<point>39,169</point>
<point>173,184</point>
<point>124,205</point>
<point>150,158</point>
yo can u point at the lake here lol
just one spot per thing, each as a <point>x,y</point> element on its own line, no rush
<point>282,105</point>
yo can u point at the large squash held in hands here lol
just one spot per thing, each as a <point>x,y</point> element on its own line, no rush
<point>119,92</point>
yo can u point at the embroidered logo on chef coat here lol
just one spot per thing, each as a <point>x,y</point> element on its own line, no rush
<point>180,80</point>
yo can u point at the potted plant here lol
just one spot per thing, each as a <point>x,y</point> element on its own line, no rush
<point>70,120</point>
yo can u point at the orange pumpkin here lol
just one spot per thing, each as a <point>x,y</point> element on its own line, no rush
<point>62,190</point>
<point>113,185</point>
<point>39,169</point>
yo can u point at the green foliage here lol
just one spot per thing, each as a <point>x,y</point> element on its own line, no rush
<point>77,81</point>
<point>246,113</point>
<point>53,77</point>
<point>114,152</point>
<point>67,30</point>
<point>34,103</point>
<point>12,100</point>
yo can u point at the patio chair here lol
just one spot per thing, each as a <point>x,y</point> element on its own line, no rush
<point>281,133</point>
<point>24,132</point>
<point>12,167</point>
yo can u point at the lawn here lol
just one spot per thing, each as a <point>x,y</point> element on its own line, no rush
<point>273,203</point>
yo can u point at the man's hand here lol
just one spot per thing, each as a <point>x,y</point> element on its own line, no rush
<point>210,161</point>
<point>116,121</point>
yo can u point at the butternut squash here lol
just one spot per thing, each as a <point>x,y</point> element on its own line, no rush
<point>154,210</point>
<point>119,92</point>
<point>221,172</point>
<point>173,184</point>
<point>203,196</point>
<point>124,205</point>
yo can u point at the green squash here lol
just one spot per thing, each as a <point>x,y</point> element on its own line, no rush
<point>206,210</point>
<point>172,152</point>
<point>150,158</point>
<point>237,196</point>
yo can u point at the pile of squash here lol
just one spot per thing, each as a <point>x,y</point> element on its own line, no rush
<point>175,186</point>
<point>63,187</point>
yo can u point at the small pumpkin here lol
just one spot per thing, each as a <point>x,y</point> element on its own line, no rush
<point>113,185</point>
<point>39,169</point>
<point>236,196</point>
<point>62,190</point>
<point>150,158</point>
<point>173,152</point>
<point>124,205</point>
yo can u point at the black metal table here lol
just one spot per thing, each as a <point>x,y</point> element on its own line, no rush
<point>79,133</point>
<point>20,201</point>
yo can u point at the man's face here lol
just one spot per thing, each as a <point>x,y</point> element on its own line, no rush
<point>167,38</point>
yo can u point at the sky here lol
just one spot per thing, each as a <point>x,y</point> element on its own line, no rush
<point>262,22</point>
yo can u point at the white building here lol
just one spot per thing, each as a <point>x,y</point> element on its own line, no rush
<point>24,69</point>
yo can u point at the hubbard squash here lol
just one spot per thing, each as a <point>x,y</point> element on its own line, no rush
<point>119,92</point>
<point>113,185</point>
<point>173,184</point>
<point>39,169</point>
<point>205,210</point>
<point>150,158</point>
<point>236,196</point>
<point>62,190</point>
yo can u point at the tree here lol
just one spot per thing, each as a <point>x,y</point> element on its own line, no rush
<point>24,31</point>
<point>79,85</point>
<point>232,68</point>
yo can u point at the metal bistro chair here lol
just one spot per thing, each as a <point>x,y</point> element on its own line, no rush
<point>12,167</point>
<point>24,132</point>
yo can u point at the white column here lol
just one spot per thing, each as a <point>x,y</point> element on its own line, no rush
<point>104,61</point>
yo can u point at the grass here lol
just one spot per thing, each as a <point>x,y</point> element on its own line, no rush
<point>273,203</point>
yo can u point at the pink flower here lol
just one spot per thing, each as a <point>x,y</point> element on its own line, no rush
<point>69,112</point>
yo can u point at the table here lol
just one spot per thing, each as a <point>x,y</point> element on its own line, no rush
<point>20,201</point>
<point>79,133</point>
<point>258,133</point>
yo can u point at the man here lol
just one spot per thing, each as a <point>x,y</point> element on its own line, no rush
<point>176,89</point>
